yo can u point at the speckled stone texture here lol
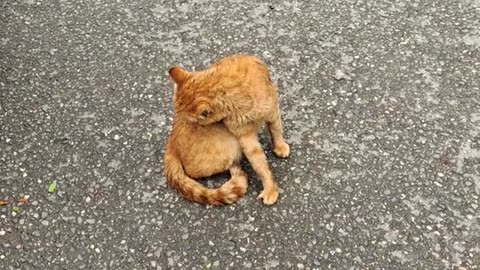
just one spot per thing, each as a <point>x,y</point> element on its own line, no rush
<point>381,105</point>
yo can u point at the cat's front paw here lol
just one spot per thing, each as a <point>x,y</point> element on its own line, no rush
<point>282,150</point>
<point>269,196</point>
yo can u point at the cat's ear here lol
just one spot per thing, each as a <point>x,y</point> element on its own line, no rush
<point>178,74</point>
<point>204,109</point>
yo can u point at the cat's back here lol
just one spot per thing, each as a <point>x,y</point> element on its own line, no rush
<point>245,73</point>
<point>241,63</point>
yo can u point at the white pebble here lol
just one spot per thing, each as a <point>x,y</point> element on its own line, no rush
<point>340,75</point>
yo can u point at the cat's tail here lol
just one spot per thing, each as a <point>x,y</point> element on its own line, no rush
<point>230,192</point>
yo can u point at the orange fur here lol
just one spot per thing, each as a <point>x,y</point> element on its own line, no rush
<point>195,151</point>
<point>234,96</point>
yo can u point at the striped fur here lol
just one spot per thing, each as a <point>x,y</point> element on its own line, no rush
<point>237,96</point>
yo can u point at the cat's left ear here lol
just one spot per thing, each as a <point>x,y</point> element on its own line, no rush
<point>204,109</point>
<point>178,74</point>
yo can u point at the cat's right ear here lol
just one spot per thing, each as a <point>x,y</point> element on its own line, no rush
<point>178,74</point>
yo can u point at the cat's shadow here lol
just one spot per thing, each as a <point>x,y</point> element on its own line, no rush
<point>217,180</point>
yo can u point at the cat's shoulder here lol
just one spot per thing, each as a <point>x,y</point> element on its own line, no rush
<point>241,59</point>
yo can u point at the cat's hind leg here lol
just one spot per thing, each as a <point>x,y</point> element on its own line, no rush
<point>275,128</point>
<point>254,152</point>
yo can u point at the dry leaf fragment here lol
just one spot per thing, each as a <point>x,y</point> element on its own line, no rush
<point>3,203</point>
<point>24,200</point>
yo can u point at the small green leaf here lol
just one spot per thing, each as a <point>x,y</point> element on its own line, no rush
<point>16,209</point>
<point>52,187</point>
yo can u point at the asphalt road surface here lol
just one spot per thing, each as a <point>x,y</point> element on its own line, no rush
<point>381,104</point>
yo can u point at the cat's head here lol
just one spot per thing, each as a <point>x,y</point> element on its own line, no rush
<point>192,98</point>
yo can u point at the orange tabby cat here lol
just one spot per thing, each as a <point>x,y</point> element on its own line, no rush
<point>238,92</point>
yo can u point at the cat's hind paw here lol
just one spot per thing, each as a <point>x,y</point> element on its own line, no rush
<point>282,150</point>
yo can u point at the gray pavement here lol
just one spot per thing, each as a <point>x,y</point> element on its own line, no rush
<point>381,103</point>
